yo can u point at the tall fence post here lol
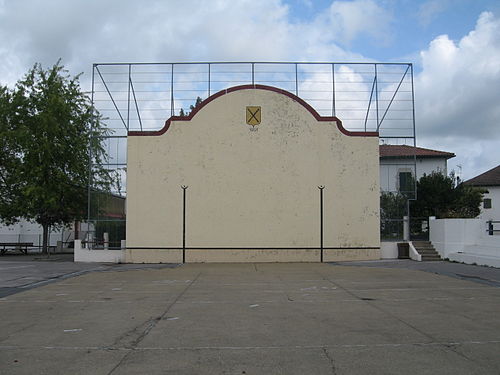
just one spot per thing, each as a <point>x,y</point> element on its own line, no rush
<point>321,188</point>
<point>184,188</point>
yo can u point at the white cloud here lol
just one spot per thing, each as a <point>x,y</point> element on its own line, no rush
<point>350,19</point>
<point>457,92</point>
<point>458,100</point>
<point>430,9</point>
<point>83,32</point>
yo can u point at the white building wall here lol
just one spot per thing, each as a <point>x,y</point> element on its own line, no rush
<point>390,169</point>
<point>24,231</point>
<point>492,213</point>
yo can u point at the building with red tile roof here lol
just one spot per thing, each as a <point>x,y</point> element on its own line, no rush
<point>489,180</point>
<point>400,163</point>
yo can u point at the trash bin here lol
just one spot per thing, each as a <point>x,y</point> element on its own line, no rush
<point>403,250</point>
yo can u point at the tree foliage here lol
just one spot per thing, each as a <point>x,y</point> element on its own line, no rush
<point>196,104</point>
<point>49,132</point>
<point>393,206</point>
<point>192,107</point>
<point>438,196</point>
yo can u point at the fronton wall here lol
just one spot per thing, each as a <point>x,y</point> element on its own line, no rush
<point>252,190</point>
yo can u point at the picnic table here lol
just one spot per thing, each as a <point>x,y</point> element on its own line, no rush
<point>21,246</point>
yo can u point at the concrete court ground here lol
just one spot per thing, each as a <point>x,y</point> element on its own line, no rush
<point>253,319</point>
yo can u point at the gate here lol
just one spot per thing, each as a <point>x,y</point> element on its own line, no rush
<point>419,228</point>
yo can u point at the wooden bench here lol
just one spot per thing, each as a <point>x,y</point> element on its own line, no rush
<point>21,246</point>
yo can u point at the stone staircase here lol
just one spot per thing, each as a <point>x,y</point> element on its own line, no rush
<point>426,249</point>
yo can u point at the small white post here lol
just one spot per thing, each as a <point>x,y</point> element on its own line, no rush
<point>123,244</point>
<point>77,249</point>
<point>90,241</point>
<point>406,228</point>
<point>106,240</point>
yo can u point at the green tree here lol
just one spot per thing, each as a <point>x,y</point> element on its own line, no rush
<point>468,202</point>
<point>438,196</point>
<point>183,113</point>
<point>393,206</point>
<point>196,104</point>
<point>49,134</point>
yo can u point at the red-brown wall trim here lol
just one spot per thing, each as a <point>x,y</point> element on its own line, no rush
<point>193,113</point>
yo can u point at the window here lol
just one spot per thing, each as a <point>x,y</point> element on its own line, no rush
<point>487,203</point>
<point>405,182</point>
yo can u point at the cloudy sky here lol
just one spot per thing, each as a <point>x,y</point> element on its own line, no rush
<point>453,44</point>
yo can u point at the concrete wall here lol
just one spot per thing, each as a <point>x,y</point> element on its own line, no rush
<point>222,255</point>
<point>465,240</point>
<point>252,189</point>
<point>389,249</point>
<point>84,254</point>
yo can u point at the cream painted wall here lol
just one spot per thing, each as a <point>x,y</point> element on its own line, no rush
<point>253,189</point>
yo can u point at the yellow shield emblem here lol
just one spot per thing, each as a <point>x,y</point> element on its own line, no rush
<point>253,115</point>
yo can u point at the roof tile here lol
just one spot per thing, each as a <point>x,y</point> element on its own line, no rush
<point>404,151</point>
<point>488,178</point>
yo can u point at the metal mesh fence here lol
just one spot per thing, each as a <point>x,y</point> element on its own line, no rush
<point>364,96</point>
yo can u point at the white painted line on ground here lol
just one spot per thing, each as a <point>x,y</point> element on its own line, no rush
<point>284,347</point>
<point>15,267</point>
<point>170,281</point>
<point>236,302</point>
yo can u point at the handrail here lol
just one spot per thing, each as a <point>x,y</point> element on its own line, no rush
<point>491,231</point>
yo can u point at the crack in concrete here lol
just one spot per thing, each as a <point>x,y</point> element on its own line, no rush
<point>330,360</point>
<point>119,363</point>
<point>375,306</point>
<point>454,348</point>
<point>148,324</point>
<point>18,331</point>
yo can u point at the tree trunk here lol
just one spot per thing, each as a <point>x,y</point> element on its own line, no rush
<point>45,240</point>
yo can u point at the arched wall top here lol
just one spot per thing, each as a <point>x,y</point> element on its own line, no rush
<point>307,106</point>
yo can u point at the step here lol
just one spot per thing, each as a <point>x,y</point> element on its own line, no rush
<point>425,248</point>
<point>427,258</point>
<point>428,253</point>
